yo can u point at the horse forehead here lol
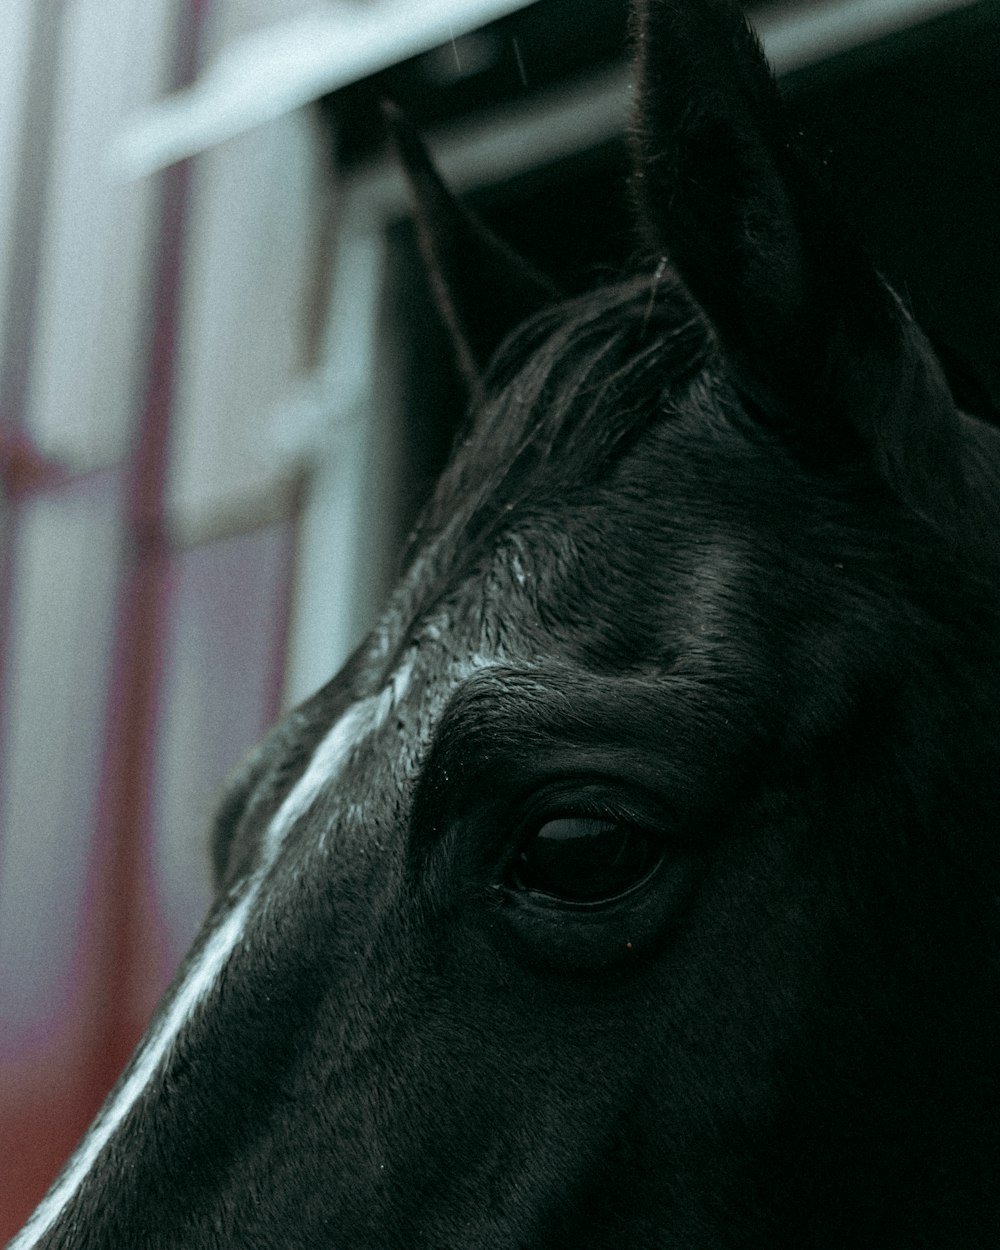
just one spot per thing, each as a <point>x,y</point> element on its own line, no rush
<point>536,591</point>
<point>370,752</point>
<point>510,606</point>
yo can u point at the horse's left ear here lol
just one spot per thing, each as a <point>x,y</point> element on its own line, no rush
<point>483,290</point>
<point>813,333</point>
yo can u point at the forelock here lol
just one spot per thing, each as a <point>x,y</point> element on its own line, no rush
<point>565,395</point>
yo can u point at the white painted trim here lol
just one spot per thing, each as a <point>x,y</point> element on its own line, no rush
<point>338,428</point>
<point>281,67</point>
<point>16,28</point>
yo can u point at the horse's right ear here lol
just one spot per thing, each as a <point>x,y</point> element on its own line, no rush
<point>483,290</point>
<point>813,334</point>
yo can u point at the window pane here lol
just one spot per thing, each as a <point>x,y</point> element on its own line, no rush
<point>222,674</point>
<point>93,284</point>
<point>61,636</point>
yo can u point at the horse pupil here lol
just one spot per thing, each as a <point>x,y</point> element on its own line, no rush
<point>584,860</point>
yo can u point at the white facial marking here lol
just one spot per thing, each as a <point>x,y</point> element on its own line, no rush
<point>354,726</point>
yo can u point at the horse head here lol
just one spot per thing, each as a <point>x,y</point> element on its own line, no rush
<point>634,884</point>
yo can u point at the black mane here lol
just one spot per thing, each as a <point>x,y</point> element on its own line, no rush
<point>565,394</point>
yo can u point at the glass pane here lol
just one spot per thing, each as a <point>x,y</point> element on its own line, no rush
<point>248,272</point>
<point>62,628</point>
<point>15,40</point>
<point>97,233</point>
<point>222,677</point>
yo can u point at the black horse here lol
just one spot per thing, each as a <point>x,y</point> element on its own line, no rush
<point>636,882</point>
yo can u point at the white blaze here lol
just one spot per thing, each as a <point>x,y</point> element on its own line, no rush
<point>356,724</point>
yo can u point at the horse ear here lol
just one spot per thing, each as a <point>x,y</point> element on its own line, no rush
<point>483,290</point>
<point>813,333</point>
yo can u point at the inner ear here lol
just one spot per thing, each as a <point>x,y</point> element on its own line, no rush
<point>482,288</point>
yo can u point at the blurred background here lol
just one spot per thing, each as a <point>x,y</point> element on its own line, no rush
<point>224,395</point>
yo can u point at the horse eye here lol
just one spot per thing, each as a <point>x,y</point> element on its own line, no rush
<point>580,860</point>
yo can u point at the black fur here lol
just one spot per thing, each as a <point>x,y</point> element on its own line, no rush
<point>811,331</point>
<point>732,556</point>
